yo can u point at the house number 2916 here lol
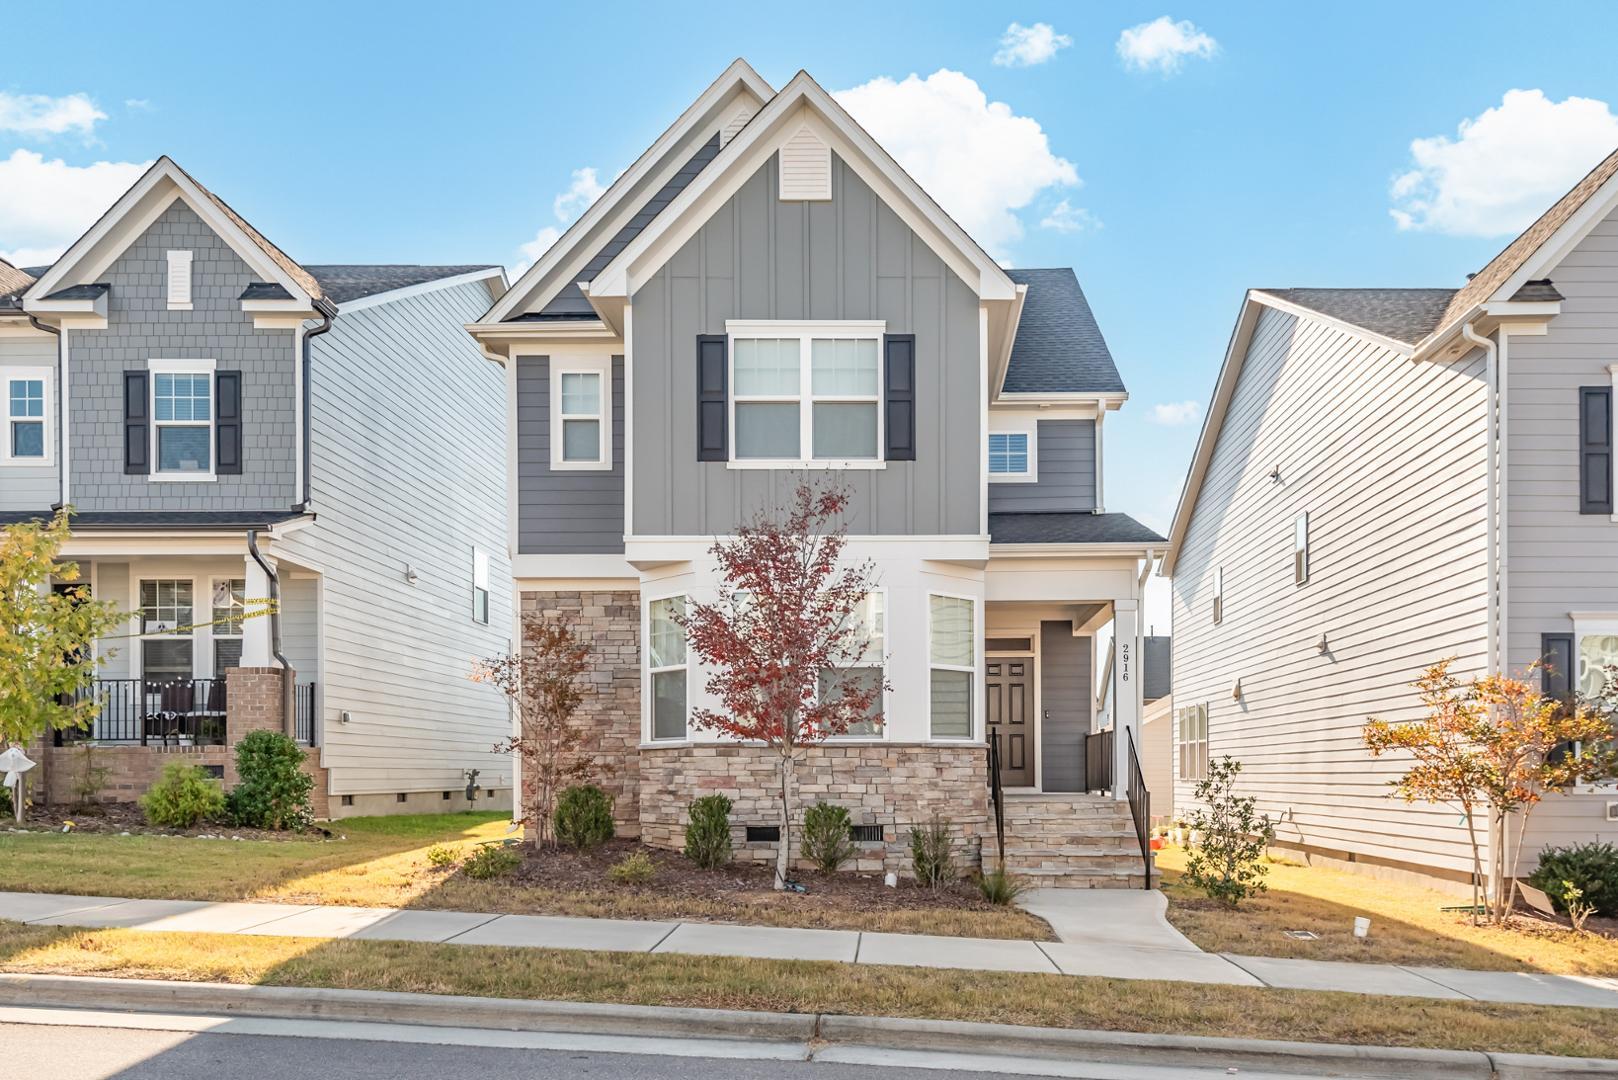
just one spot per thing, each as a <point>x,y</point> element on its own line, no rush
<point>1123,662</point>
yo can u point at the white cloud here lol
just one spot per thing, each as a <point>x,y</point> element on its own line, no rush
<point>540,244</point>
<point>38,114</point>
<point>583,190</point>
<point>48,203</point>
<point>1064,217</point>
<point>980,160</point>
<point>137,104</point>
<point>1504,167</point>
<point>1175,413</point>
<point>1025,46</point>
<point>1163,45</point>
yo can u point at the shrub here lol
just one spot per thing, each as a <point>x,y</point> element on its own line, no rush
<point>182,797</point>
<point>1227,859</point>
<point>273,790</point>
<point>1000,887</point>
<point>1591,868</point>
<point>583,817</point>
<point>441,855</point>
<point>491,861</point>
<point>828,836</point>
<point>5,802</point>
<point>932,854</point>
<point>636,868</point>
<point>707,832</point>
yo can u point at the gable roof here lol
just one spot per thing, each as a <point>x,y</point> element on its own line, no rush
<point>1058,348</point>
<point>1405,315</point>
<point>13,283</point>
<point>343,283</point>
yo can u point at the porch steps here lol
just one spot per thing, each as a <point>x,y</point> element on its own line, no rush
<point>1073,841</point>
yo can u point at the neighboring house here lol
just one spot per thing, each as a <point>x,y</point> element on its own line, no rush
<point>230,426</point>
<point>1390,477</point>
<point>764,292</point>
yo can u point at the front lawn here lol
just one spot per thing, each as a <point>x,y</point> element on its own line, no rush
<point>382,862</point>
<point>1407,925</point>
<point>812,987</point>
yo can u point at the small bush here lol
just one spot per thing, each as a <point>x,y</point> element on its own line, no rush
<point>932,854</point>
<point>707,832</point>
<point>827,836</point>
<point>1000,887</point>
<point>441,855</point>
<point>183,796</point>
<point>583,817</point>
<point>491,861</point>
<point>636,868</point>
<point>1591,868</point>
<point>273,792</point>
<point>5,802</point>
<point>1226,859</point>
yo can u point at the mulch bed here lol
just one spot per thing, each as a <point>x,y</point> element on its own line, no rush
<point>739,882</point>
<point>120,819</point>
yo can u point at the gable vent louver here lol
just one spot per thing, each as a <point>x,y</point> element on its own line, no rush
<point>737,121</point>
<point>805,167</point>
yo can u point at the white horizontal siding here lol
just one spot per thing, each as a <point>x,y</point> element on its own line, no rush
<point>1387,457</point>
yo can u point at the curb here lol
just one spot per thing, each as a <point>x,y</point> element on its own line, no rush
<point>815,1031</point>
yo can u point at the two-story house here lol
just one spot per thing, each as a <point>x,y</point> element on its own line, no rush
<point>765,291</point>
<point>1387,478</point>
<point>232,428</point>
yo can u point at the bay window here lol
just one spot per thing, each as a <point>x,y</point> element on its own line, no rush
<point>666,667</point>
<point>806,393</point>
<point>952,656</point>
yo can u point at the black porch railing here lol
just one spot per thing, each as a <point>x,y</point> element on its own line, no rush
<point>178,712</point>
<point>1140,808</point>
<point>997,796</point>
<point>1098,761</point>
<point>303,700</point>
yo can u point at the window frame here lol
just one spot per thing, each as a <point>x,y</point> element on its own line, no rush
<point>157,367</point>
<point>144,635</point>
<point>806,332</point>
<point>880,664</point>
<point>1589,624</point>
<point>1219,595</point>
<point>46,377</point>
<point>1029,430</point>
<point>216,633</point>
<point>649,695</point>
<point>1300,548</point>
<point>1197,748</point>
<point>480,592</point>
<point>601,367</point>
<point>975,688</point>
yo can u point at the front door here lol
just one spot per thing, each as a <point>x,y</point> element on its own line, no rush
<point>1011,716</point>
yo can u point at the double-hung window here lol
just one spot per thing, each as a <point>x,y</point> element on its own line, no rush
<point>1219,595</point>
<point>229,608</point>
<point>183,419</point>
<point>807,393</point>
<point>581,412</point>
<point>1012,455</point>
<point>28,411</point>
<point>1193,739</point>
<point>864,668</point>
<point>666,665</point>
<point>952,657</point>
<point>166,629</point>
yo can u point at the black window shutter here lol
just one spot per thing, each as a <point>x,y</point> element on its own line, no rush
<point>137,437</point>
<point>713,405</point>
<point>228,422</point>
<point>899,396</point>
<point>1556,672</point>
<point>1595,449</point>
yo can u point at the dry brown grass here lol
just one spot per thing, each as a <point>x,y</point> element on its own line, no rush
<point>1407,925</point>
<point>805,987</point>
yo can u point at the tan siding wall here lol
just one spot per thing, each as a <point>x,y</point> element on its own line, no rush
<point>1387,456</point>
<point>1558,559</point>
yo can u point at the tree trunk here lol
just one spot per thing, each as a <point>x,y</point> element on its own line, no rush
<point>783,851</point>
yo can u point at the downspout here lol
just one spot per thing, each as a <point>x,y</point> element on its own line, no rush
<point>328,311</point>
<point>289,718</point>
<point>61,408</point>
<point>1492,383</point>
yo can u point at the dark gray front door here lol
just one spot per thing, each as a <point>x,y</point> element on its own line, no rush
<point>1010,686</point>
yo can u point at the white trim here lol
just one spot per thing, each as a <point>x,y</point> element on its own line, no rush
<point>178,282</point>
<point>46,419</point>
<point>806,333</point>
<point>1612,373</point>
<point>158,367</point>
<point>975,669</point>
<point>1028,428</point>
<point>983,413</point>
<point>649,696</point>
<point>629,423</point>
<point>64,430</point>
<point>601,368</point>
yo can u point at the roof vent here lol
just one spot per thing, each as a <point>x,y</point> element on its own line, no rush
<point>737,121</point>
<point>805,167</point>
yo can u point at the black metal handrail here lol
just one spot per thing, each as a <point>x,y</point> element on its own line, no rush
<point>997,796</point>
<point>1140,808</point>
<point>175,712</point>
<point>304,713</point>
<point>1098,761</point>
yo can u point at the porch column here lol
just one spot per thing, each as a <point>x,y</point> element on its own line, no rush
<point>256,631</point>
<point>1126,690</point>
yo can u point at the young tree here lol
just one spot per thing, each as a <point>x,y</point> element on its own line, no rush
<point>782,640</point>
<point>543,682</point>
<point>47,637</point>
<point>1227,860</point>
<point>1494,747</point>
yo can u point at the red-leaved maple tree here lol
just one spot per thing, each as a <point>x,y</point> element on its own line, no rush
<point>781,641</point>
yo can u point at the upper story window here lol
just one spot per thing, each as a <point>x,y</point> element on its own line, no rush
<point>1300,548</point>
<point>806,394</point>
<point>1012,453</point>
<point>28,413</point>
<point>581,413</point>
<point>179,281</point>
<point>182,419</point>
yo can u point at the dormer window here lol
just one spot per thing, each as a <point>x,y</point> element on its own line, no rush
<point>179,281</point>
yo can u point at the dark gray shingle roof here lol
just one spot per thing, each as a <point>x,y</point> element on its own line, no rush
<point>1539,290</point>
<point>264,290</point>
<point>161,519</point>
<point>1406,315</point>
<point>1059,348</point>
<point>80,292</point>
<point>345,282</point>
<point>1069,527</point>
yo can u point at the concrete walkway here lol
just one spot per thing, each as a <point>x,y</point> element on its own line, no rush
<point>1110,933</point>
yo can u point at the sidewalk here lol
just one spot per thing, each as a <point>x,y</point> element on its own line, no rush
<point>1112,934</point>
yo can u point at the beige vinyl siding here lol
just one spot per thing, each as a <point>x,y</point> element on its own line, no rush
<point>1558,559</point>
<point>1388,458</point>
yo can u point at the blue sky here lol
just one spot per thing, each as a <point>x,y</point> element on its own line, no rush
<point>442,133</point>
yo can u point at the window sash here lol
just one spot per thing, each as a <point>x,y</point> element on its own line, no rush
<point>831,372</point>
<point>182,407</point>
<point>667,665</point>
<point>227,616</point>
<point>952,666</point>
<point>581,410</point>
<point>1008,453</point>
<point>27,435</point>
<point>166,602</point>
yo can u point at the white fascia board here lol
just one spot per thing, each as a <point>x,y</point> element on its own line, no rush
<point>736,80</point>
<point>801,101</point>
<point>96,306</point>
<point>533,569</point>
<point>1523,309</point>
<point>1113,400</point>
<point>1072,551</point>
<point>1005,336</point>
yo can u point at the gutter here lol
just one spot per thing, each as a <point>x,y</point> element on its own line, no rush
<point>328,311</point>
<point>61,425</point>
<point>289,720</point>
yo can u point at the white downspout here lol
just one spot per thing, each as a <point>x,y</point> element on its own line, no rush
<point>1493,499</point>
